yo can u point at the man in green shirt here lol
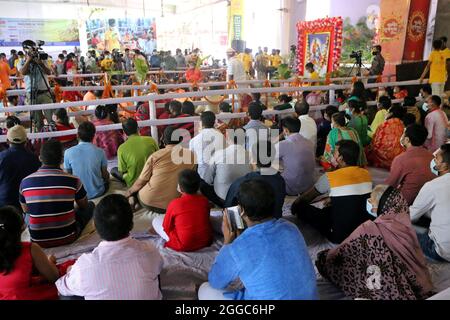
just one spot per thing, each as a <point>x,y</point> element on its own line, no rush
<point>133,154</point>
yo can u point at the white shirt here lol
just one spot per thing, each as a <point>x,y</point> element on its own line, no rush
<point>205,145</point>
<point>433,200</point>
<point>309,129</point>
<point>236,69</point>
<point>226,167</point>
<point>127,269</point>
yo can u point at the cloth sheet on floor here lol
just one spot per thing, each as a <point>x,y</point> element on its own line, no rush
<point>183,273</point>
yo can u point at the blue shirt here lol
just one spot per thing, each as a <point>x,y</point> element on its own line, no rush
<point>16,163</point>
<point>271,260</point>
<point>86,162</point>
<point>269,175</point>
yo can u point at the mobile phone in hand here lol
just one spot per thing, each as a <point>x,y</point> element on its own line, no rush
<point>235,219</point>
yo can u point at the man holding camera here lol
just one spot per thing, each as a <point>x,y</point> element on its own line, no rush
<point>35,72</point>
<point>378,63</point>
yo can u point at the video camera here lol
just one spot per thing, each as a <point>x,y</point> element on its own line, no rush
<point>34,50</point>
<point>357,55</point>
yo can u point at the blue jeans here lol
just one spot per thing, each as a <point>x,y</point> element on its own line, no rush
<point>428,247</point>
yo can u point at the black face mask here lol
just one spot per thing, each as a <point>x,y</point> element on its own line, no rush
<point>374,53</point>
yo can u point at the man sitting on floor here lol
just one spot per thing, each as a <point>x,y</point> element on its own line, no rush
<point>186,226</point>
<point>348,188</point>
<point>270,257</point>
<point>255,130</point>
<point>433,202</point>
<point>48,198</point>
<point>120,268</point>
<point>133,154</point>
<point>297,158</point>
<point>308,128</point>
<point>226,167</point>
<point>411,170</point>
<point>15,164</point>
<point>207,142</point>
<point>157,185</point>
<point>88,162</point>
<point>262,156</point>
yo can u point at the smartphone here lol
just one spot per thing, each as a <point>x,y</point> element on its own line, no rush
<point>234,218</point>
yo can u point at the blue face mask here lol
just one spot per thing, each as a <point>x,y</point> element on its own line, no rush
<point>348,112</point>
<point>433,167</point>
<point>370,208</point>
<point>425,107</point>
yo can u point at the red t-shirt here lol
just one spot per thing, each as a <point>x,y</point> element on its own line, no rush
<point>61,127</point>
<point>72,96</point>
<point>187,223</point>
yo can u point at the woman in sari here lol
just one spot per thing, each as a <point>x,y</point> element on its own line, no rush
<point>381,259</point>
<point>340,132</point>
<point>386,140</point>
<point>359,121</point>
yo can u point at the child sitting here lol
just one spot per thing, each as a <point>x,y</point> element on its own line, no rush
<point>18,260</point>
<point>120,268</point>
<point>186,226</point>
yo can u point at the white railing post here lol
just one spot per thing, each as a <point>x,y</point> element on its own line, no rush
<point>154,129</point>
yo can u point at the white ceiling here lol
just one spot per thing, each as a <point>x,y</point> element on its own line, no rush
<point>151,5</point>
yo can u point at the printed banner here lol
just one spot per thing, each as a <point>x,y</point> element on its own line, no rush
<point>394,23</point>
<point>57,32</point>
<point>417,30</point>
<point>120,34</point>
<point>236,12</point>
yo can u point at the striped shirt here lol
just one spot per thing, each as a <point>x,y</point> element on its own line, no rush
<point>349,189</point>
<point>49,195</point>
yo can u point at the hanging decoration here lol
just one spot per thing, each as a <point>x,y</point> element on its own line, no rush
<point>320,42</point>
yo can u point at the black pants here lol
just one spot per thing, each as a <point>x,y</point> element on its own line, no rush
<point>209,192</point>
<point>319,219</point>
<point>116,174</point>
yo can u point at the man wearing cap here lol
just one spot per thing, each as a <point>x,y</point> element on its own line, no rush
<point>236,70</point>
<point>16,163</point>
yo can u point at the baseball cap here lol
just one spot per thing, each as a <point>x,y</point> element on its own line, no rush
<point>17,134</point>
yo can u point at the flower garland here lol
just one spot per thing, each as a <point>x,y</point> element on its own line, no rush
<point>332,25</point>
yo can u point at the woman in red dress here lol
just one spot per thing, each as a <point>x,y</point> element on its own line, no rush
<point>19,259</point>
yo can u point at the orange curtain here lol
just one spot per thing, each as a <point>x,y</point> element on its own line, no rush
<point>394,23</point>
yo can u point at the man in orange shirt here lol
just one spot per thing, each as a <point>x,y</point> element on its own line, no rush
<point>5,72</point>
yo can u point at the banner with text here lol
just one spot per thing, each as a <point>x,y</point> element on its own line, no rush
<point>394,23</point>
<point>417,30</point>
<point>58,32</point>
<point>236,10</point>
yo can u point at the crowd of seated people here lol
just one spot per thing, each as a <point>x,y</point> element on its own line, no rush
<point>222,168</point>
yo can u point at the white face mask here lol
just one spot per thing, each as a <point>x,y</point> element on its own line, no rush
<point>370,209</point>
<point>433,167</point>
<point>425,107</point>
<point>179,189</point>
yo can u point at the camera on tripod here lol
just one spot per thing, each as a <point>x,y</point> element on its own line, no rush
<point>34,49</point>
<point>357,55</point>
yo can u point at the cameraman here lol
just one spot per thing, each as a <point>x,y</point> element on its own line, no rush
<point>36,82</point>
<point>378,63</point>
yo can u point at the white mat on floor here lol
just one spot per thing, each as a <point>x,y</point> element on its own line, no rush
<point>184,272</point>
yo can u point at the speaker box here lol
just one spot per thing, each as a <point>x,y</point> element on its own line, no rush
<point>238,45</point>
